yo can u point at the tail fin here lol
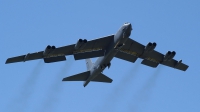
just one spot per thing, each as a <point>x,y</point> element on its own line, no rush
<point>89,64</point>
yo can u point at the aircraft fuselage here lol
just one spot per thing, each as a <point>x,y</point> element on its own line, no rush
<point>102,62</point>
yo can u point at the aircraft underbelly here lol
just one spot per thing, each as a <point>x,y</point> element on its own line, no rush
<point>108,57</point>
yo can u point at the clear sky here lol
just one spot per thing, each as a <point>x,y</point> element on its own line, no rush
<point>29,26</point>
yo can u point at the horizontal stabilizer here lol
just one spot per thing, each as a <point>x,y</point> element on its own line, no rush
<point>54,59</point>
<point>86,55</point>
<point>150,63</point>
<point>79,77</point>
<point>102,78</point>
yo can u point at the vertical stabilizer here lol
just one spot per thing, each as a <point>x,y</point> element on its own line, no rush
<point>89,64</point>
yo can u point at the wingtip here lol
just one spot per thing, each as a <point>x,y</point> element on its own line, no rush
<point>6,61</point>
<point>63,79</point>
<point>111,81</point>
<point>186,68</point>
<point>85,84</point>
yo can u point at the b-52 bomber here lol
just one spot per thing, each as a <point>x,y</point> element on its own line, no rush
<point>106,48</point>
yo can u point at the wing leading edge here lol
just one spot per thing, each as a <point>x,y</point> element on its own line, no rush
<point>133,50</point>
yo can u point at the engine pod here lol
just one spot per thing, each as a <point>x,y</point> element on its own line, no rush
<point>80,43</point>
<point>172,55</point>
<point>48,50</point>
<point>84,43</point>
<point>167,55</point>
<point>150,47</point>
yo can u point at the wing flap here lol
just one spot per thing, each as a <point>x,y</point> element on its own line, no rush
<point>86,55</point>
<point>65,50</point>
<point>79,77</point>
<point>102,78</point>
<point>54,59</point>
<point>125,56</point>
<point>149,63</point>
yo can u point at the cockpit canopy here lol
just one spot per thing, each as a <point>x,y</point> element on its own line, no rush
<point>126,23</point>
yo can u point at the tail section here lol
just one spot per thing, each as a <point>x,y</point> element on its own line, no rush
<point>99,78</point>
<point>78,77</point>
<point>89,64</point>
<point>102,78</point>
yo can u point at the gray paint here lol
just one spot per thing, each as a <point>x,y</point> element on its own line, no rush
<point>119,39</point>
<point>106,48</point>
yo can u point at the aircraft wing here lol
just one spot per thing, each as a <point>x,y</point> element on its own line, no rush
<point>133,50</point>
<point>92,48</point>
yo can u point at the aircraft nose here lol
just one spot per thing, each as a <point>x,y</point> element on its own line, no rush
<point>129,26</point>
<point>128,29</point>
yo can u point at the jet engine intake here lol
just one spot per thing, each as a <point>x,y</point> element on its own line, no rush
<point>48,50</point>
<point>172,55</point>
<point>80,44</point>
<point>53,47</point>
<point>150,47</point>
<point>169,55</point>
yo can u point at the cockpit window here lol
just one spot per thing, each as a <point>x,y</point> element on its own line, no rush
<point>123,29</point>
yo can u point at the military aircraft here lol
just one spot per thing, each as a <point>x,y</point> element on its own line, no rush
<point>106,48</point>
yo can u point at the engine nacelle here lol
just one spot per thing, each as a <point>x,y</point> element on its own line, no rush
<point>153,46</point>
<point>80,44</point>
<point>48,50</point>
<point>84,43</point>
<point>169,55</point>
<point>150,47</point>
<point>53,47</point>
<point>172,55</point>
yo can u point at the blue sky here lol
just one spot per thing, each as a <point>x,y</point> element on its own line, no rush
<point>29,26</point>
